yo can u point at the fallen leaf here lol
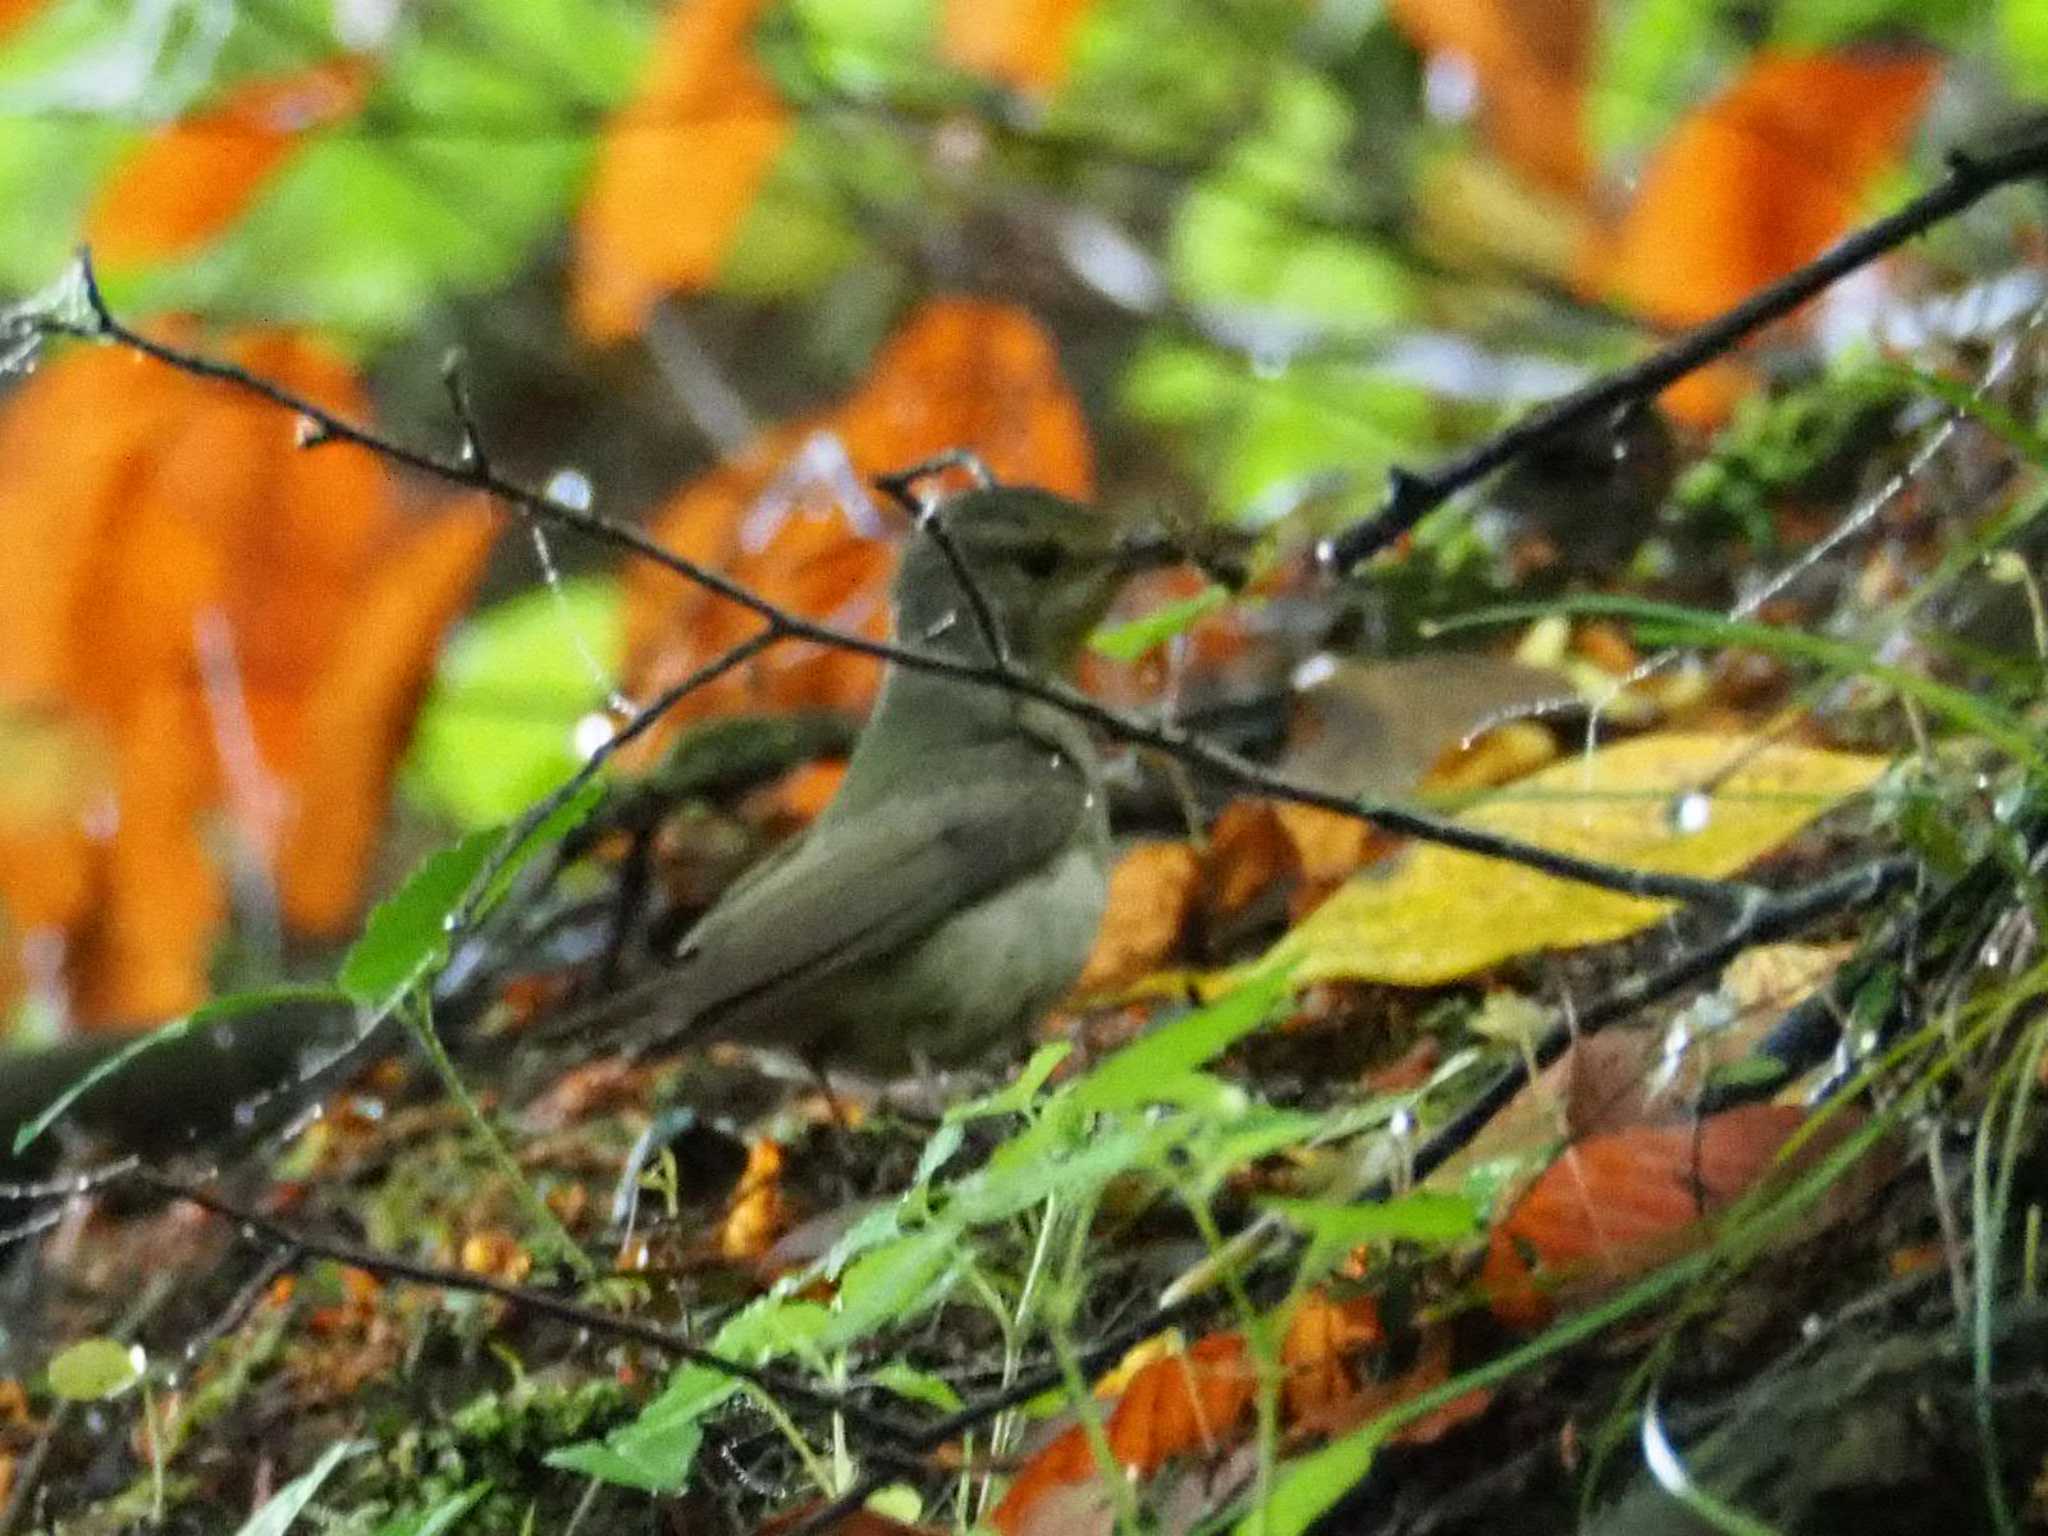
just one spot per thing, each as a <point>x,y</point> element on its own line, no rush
<point>1376,728</point>
<point>1152,891</point>
<point>791,516</point>
<point>1499,756</point>
<point>1615,1206</point>
<point>1025,44</point>
<point>1321,1355</point>
<point>678,169</point>
<point>1250,849</point>
<point>1191,1401</point>
<point>1444,914</point>
<point>1185,1402</point>
<point>759,1212</point>
<point>1774,977</point>
<point>196,175</point>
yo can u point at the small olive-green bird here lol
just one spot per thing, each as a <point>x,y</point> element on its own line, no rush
<point>952,889</point>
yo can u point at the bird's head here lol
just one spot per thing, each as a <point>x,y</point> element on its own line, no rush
<point>1047,567</point>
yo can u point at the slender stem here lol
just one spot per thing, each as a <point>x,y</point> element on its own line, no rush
<point>1411,496</point>
<point>326,427</point>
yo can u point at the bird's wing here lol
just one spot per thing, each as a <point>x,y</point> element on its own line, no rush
<point>858,887</point>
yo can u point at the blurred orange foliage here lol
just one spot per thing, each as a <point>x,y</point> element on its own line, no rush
<point>196,175</point>
<point>1758,181</point>
<point>678,169</point>
<point>793,519</point>
<point>237,627</point>
<point>1528,60</point>
<point>1026,44</point>
<point>15,14</point>
<point>1747,187</point>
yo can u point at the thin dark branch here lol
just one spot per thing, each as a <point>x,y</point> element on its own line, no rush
<point>1412,496</point>
<point>927,511</point>
<point>1162,736</point>
<point>463,409</point>
<point>290,1240</point>
<point>71,1185</point>
<point>1773,917</point>
<point>648,716</point>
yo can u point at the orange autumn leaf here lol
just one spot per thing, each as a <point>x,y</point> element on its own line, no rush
<point>1322,1355</point>
<point>1190,1401</point>
<point>1025,44</point>
<point>1616,1205</point>
<point>1152,890</point>
<point>1707,397</point>
<point>678,169</point>
<point>1528,60</point>
<point>792,518</point>
<point>1249,852</point>
<point>191,180</point>
<point>15,14</point>
<point>759,1211</point>
<point>226,617</point>
<point>1758,181</point>
<point>366,697</point>
<point>1185,1402</point>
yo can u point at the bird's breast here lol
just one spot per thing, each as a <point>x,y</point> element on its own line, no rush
<point>978,981</point>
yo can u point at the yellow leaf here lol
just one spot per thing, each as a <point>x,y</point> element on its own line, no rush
<point>1445,914</point>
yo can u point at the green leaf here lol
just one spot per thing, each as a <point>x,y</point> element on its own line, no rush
<point>892,1284</point>
<point>1133,638</point>
<point>638,1458</point>
<point>2023,28</point>
<point>898,1502</point>
<point>1745,1072</point>
<point>94,1370</point>
<point>407,935</point>
<point>470,152</point>
<point>1156,1066</point>
<point>219,1011</point>
<point>438,1518</point>
<point>655,1452</point>
<point>1654,58</point>
<point>1047,1160</point>
<point>907,1381</point>
<point>1334,1228</point>
<point>1251,429</point>
<point>289,1502</point>
<point>1018,1095</point>
<point>497,730</point>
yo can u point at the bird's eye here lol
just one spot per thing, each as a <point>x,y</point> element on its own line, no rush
<point>1041,560</point>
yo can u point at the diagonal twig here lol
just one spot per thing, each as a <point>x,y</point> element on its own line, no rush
<point>327,427</point>
<point>1411,496</point>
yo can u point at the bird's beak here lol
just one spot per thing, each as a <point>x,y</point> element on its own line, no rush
<point>1146,551</point>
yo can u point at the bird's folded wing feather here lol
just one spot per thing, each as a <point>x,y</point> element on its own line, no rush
<point>861,886</point>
